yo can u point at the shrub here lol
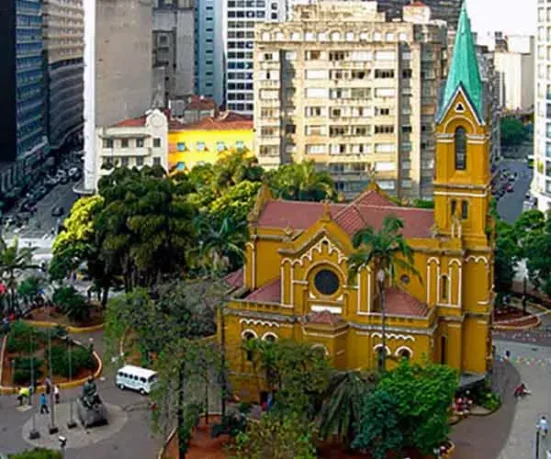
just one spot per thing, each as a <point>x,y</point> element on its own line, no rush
<point>81,359</point>
<point>19,338</point>
<point>423,204</point>
<point>37,453</point>
<point>71,303</point>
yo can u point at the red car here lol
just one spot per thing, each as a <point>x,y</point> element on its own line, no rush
<point>509,188</point>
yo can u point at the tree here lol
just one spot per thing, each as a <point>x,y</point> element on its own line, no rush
<point>340,412</point>
<point>379,426</point>
<point>235,204</point>
<point>301,182</point>
<point>506,256</point>
<point>422,395</point>
<point>30,288</point>
<point>14,260</point>
<point>384,251</point>
<point>71,303</point>
<point>235,167</point>
<point>513,132</point>
<point>275,437</point>
<point>538,255</point>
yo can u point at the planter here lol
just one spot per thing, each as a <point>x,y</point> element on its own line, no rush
<point>44,317</point>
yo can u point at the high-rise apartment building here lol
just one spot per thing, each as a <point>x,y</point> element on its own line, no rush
<point>515,65</point>
<point>23,142</point>
<point>341,85</point>
<point>240,18</point>
<point>541,183</point>
<point>444,10</point>
<point>118,69</point>
<point>64,52</point>
<point>173,45</point>
<point>209,49</point>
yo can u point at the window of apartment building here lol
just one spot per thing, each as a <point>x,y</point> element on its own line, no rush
<point>200,146</point>
<point>156,161</point>
<point>124,143</point>
<point>309,36</point>
<point>156,142</point>
<point>406,129</point>
<point>359,74</point>
<point>337,149</point>
<point>337,56</point>
<point>405,165</point>
<point>181,146</point>
<point>360,56</point>
<point>336,112</point>
<point>269,56</point>
<point>361,148</point>
<point>107,143</point>
<point>139,161</point>
<point>316,149</point>
<point>268,131</point>
<point>312,55</point>
<point>336,168</point>
<point>220,146</point>
<point>265,36</point>
<point>384,129</point>
<point>268,150</point>
<point>382,111</point>
<point>239,144</point>
<point>312,112</point>
<point>316,93</point>
<point>316,74</point>
<point>269,94</point>
<point>290,129</point>
<point>384,73</point>
<point>140,143</point>
<point>361,130</point>
<point>407,73</point>
<point>290,55</point>
<point>107,163</point>
<point>269,113</point>
<point>385,148</point>
<point>349,36</point>
<point>337,131</point>
<point>402,36</point>
<point>360,93</point>
<point>386,185</point>
<point>124,162</point>
<point>315,130</point>
<point>377,36</point>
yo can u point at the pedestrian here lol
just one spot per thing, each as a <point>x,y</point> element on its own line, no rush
<point>543,425</point>
<point>47,386</point>
<point>24,395</point>
<point>56,394</point>
<point>44,404</point>
<point>548,452</point>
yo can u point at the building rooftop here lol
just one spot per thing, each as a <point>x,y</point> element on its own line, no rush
<point>400,303</point>
<point>270,292</point>
<point>226,121</point>
<point>200,103</point>
<point>369,208</point>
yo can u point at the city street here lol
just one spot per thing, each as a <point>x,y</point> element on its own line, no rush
<point>41,224</point>
<point>510,205</point>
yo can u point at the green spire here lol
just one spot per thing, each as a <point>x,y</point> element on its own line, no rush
<point>464,67</point>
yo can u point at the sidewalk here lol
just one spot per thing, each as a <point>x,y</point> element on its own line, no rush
<point>483,437</point>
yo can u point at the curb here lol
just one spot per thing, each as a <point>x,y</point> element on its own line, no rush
<point>2,353</point>
<point>7,390</point>
<point>69,328</point>
<point>450,452</point>
<point>517,327</point>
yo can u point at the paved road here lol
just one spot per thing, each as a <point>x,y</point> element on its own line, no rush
<point>42,223</point>
<point>510,205</point>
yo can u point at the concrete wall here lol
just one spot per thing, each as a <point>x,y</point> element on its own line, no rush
<point>123,59</point>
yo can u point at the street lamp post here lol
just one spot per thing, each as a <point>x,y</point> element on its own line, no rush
<point>53,428</point>
<point>33,434</point>
<point>538,442</point>
<point>71,424</point>
<point>381,284</point>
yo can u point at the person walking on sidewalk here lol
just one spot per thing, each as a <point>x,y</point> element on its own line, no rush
<point>543,426</point>
<point>44,404</point>
<point>56,394</point>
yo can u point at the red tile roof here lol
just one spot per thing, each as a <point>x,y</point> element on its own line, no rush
<point>401,303</point>
<point>225,122</point>
<point>324,317</point>
<point>369,208</point>
<point>297,214</point>
<point>200,103</point>
<point>235,279</point>
<point>132,122</point>
<point>270,292</point>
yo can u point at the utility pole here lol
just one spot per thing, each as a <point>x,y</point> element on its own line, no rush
<point>71,424</point>
<point>33,434</point>
<point>538,443</point>
<point>53,428</point>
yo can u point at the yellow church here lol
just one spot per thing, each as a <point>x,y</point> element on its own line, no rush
<point>294,284</point>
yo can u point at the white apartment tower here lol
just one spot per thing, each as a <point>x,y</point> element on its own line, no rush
<point>240,18</point>
<point>541,184</point>
<point>357,94</point>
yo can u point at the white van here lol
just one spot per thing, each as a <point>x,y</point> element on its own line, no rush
<point>136,378</point>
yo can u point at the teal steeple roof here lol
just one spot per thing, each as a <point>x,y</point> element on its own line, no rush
<point>464,69</point>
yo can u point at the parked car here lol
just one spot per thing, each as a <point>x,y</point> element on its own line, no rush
<point>58,211</point>
<point>63,180</point>
<point>509,188</point>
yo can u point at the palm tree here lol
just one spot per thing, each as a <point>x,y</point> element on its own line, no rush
<point>302,182</point>
<point>383,250</point>
<point>340,411</point>
<point>14,261</point>
<point>220,247</point>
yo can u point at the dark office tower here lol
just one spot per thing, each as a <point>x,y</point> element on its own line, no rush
<point>23,143</point>
<point>445,10</point>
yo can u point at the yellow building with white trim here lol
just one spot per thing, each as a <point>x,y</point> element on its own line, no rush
<point>294,283</point>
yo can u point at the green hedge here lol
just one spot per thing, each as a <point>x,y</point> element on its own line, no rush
<point>19,338</point>
<point>81,358</point>
<point>37,453</point>
<point>22,374</point>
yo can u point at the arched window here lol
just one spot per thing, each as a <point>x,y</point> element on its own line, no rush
<point>460,149</point>
<point>270,337</point>
<point>444,287</point>
<point>404,353</point>
<point>453,207</point>
<point>247,336</point>
<point>464,210</point>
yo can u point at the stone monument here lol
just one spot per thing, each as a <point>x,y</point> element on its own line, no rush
<point>91,410</point>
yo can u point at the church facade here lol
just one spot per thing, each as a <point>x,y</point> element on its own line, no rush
<point>295,282</point>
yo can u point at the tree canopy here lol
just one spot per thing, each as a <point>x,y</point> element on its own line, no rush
<point>513,132</point>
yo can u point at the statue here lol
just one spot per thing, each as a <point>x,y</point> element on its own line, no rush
<point>91,409</point>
